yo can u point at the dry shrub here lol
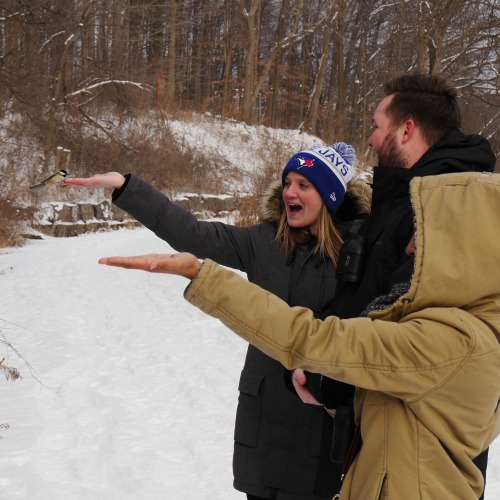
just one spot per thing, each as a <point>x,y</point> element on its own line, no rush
<point>10,372</point>
<point>13,221</point>
<point>149,150</point>
<point>142,143</point>
<point>247,213</point>
<point>274,158</point>
<point>152,152</point>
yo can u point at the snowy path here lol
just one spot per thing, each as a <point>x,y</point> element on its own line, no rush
<point>138,388</point>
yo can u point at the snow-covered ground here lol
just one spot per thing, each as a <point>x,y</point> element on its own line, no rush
<point>130,391</point>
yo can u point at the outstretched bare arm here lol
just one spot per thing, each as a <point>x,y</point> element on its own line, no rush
<point>112,180</point>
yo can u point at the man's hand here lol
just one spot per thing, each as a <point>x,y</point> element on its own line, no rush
<point>181,264</point>
<point>112,180</point>
<point>299,381</point>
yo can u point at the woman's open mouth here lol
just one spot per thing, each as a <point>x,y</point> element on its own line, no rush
<point>294,208</point>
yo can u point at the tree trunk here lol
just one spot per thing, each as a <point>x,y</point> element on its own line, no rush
<point>252,21</point>
<point>275,80</point>
<point>228,39</point>
<point>340,113</point>
<point>171,55</point>
<point>117,39</point>
<point>311,119</point>
<point>422,37</point>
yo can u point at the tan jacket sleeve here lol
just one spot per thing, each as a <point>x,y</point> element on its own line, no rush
<point>405,359</point>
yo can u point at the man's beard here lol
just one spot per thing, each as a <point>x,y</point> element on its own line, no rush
<point>389,156</point>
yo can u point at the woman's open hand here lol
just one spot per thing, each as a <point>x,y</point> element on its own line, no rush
<point>112,180</point>
<point>181,264</point>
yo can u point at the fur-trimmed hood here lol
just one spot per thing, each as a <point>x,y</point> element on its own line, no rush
<point>356,203</point>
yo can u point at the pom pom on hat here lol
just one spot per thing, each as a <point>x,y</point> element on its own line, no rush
<point>328,168</point>
<point>346,151</point>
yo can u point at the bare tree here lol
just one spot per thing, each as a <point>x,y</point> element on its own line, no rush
<point>311,118</point>
<point>299,63</point>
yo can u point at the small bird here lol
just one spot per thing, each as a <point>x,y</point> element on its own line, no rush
<point>56,178</point>
<point>62,160</point>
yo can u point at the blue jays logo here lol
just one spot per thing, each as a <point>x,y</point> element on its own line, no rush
<point>302,162</point>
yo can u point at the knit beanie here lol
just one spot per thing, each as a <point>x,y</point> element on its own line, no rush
<point>328,168</point>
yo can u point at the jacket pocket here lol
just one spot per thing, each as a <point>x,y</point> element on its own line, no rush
<point>249,412</point>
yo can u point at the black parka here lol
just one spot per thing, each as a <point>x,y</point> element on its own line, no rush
<point>277,437</point>
<point>389,227</point>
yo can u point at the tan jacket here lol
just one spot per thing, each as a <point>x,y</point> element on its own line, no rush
<point>427,367</point>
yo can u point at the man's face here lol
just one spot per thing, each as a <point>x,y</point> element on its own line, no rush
<point>384,139</point>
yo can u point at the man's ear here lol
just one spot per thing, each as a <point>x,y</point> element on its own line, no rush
<point>408,130</point>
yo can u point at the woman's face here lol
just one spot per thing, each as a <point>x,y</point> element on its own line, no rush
<point>302,202</point>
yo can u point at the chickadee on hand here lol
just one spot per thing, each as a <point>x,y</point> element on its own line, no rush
<point>51,180</point>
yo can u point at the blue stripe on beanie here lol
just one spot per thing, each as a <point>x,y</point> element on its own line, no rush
<point>329,169</point>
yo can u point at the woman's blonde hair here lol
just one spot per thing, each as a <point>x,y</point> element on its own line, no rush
<point>328,240</point>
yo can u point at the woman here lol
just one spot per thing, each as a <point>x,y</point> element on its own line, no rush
<point>292,254</point>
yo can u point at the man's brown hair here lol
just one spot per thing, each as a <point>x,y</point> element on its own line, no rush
<point>429,100</point>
